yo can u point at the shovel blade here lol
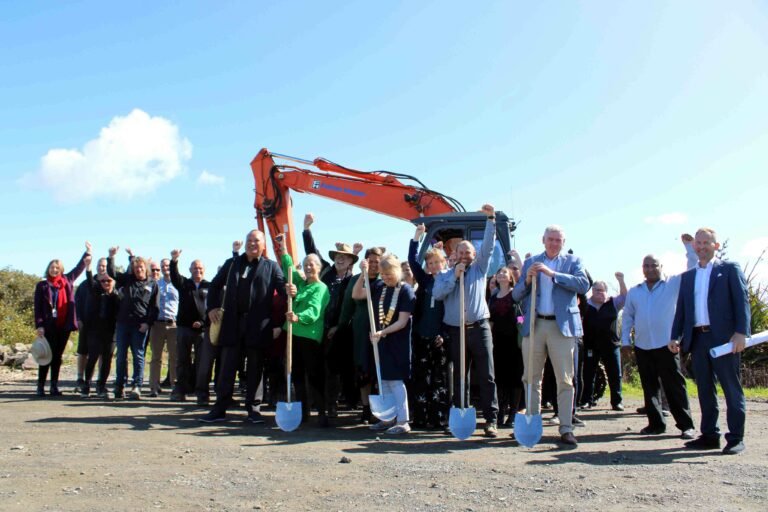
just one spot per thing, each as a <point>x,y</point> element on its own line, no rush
<point>288,415</point>
<point>528,429</point>
<point>462,422</point>
<point>383,407</point>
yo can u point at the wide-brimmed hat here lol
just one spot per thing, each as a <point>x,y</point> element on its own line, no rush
<point>41,351</point>
<point>345,250</point>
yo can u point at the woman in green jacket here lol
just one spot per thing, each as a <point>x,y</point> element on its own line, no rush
<point>310,298</point>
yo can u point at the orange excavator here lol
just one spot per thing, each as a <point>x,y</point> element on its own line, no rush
<point>445,218</point>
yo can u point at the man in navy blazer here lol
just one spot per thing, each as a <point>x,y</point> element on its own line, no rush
<point>560,277</point>
<point>712,309</point>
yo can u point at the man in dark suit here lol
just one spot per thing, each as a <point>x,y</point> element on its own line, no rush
<point>712,309</point>
<point>240,297</point>
<point>193,293</point>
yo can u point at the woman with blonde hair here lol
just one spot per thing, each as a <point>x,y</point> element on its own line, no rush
<point>55,315</point>
<point>393,303</point>
<point>428,387</point>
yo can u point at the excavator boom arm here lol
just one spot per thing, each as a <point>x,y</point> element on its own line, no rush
<point>378,191</point>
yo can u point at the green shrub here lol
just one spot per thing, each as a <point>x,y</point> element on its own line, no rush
<point>17,320</point>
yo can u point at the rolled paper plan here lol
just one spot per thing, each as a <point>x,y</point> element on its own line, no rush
<point>721,350</point>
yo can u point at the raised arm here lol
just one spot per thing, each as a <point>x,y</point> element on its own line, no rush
<point>621,298</point>
<point>177,280</point>
<point>309,241</point>
<point>489,239</point>
<point>85,260</point>
<point>358,290</point>
<point>413,247</point>
<point>628,321</point>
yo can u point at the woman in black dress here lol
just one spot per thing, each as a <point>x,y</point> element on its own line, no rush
<point>507,355</point>
<point>428,387</point>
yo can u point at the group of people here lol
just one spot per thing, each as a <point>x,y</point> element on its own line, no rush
<point>235,325</point>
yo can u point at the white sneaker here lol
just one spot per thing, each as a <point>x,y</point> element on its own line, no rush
<point>382,425</point>
<point>135,393</point>
<point>399,429</point>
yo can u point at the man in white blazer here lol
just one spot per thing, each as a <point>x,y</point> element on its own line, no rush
<point>560,277</point>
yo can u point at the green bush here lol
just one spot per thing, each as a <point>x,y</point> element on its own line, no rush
<point>17,320</point>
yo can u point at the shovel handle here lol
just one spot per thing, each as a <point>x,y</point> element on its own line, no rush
<point>372,322</point>
<point>462,339</point>
<point>289,343</point>
<point>531,339</point>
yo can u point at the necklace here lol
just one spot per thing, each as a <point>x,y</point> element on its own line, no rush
<point>386,319</point>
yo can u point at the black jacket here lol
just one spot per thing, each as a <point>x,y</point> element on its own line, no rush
<point>101,309</point>
<point>190,296</point>
<point>134,296</point>
<point>268,280</point>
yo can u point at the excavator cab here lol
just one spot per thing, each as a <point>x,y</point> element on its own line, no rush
<point>451,228</point>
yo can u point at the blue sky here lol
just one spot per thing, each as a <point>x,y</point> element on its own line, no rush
<point>627,123</point>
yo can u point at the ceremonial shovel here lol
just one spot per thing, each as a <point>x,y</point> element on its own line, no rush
<point>383,407</point>
<point>462,422</point>
<point>288,414</point>
<point>528,426</point>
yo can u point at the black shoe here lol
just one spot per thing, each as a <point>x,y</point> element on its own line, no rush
<point>255,417</point>
<point>652,431</point>
<point>366,416</point>
<point>178,397</point>
<point>734,448</point>
<point>578,422</point>
<point>119,394</point>
<point>166,383</point>
<point>333,411</point>
<point>322,421</point>
<point>203,400</point>
<point>55,391</point>
<point>568,439</point>
<point>641,410</point>
<point>704,443</point>
<point>153,394</point>
<point>79,386</point>
<point>85,391</point>
<point>213,417</point>
<point>40,393</point>
<point>617,407</point>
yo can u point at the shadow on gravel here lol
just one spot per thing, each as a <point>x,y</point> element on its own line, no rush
<point>622,457</point>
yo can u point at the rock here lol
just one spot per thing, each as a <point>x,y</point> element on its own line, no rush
<point>345,460</point>
<point>19,347</point>
<point>15,360</point>
<point>19,447</point>
<point>29,363</point>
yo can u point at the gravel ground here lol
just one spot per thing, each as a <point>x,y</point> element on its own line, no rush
<point>75,454</point>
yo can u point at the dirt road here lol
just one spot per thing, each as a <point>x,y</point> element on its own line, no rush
<point>74,454</point>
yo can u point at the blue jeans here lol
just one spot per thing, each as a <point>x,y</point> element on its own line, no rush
<point>129,336</point>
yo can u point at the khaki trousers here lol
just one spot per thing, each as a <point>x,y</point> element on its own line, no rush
<point>550,341</point>
<point>161,335</point>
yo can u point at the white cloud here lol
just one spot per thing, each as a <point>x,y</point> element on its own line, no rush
<point>209,179</point>
<point>667,218</point>
<point>133,154</point>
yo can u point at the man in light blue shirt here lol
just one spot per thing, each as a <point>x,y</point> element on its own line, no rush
<point>479,343</point>
<point>164,305</point>
<point>649,312</point>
